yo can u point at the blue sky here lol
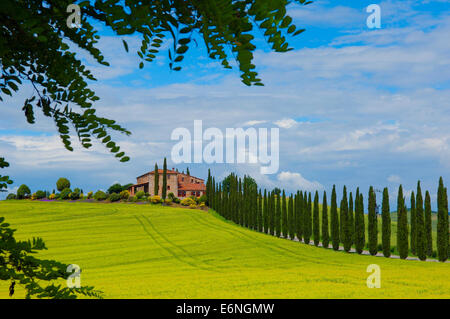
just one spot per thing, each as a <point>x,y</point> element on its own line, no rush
<point>355,106</point>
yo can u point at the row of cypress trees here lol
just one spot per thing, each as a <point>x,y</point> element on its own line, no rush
<point>300,216</point>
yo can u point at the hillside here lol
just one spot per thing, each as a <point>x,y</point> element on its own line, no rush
<point>147,251</point>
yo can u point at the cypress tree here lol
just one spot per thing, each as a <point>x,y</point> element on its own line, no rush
<point>219,202</point>
<point>208,188</point>
<point>156,181</point>
<point>334,220</point>
<point>269,211</point>
<point>266,213</point>
<point>215,197</point>
<point>244,211</point>
<point>240,217</point>
<point>291,218</point>
<point>360,235</point>
<point>307,224</point>
<point>442,240</point>
<point>284,221</point>
<point>260,211</point>
<point>272,213</point>
<point>236,199</point>
<point>412,217</point>
<point>347,235</point>
<point>386,224</point>
<point>447,221</point>
<point>253,197</point>
<point>428,224</point>
<point>373,223</point>
<point>300,216</point>
<point>255,209</point>
<point>420,226</point>
<point>351,218</point>
<point>402,225</point>
<point>252,211</point>
<point>278,217</point>
<point>342,218</point>
<point>316,220</point>
<point>187,171</point>
<point>164,181</point>
<point>325,226</point>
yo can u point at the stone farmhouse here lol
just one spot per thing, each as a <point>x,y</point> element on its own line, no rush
<point>182,185</point>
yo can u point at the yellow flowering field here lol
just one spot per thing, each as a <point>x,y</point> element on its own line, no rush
<point>130,250</point>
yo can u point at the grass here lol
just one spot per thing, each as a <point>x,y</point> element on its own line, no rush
<point>149,251</point>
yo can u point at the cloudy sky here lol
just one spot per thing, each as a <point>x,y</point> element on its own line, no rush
<point>355,106</point>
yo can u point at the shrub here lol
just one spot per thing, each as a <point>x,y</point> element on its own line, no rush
<point>124,195</point>
<point>202,204</point>
<point>115,188</point>
<point>155,199</point>
<point>140,194</point>
<point>167,201</point>
<point>23,191</point>
<point>90,195</point>
<point>52,196</point>
<point>132,199</point>
<point>126,186</point>
<point>100,195</point>
<point>11,196</point>
<point>65,193</point>
<point>33,196</point>
<point>57,196</point>
<point>74,195</point>
<point>114,197</point>
<point>193,206</point>
<point>195,199</point>
<point>202,199</point>
<point>62,184</point>
<point>188,201</point>
<point>40,194</point>
<point>173,198</point>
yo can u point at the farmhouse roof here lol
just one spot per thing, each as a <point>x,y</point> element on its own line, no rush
<point>160,171</point>
<point>192,187</point>
<point>169,171</point>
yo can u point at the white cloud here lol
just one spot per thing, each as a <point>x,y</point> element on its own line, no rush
<point>394,179</point>
<point>254,122</point>
<point>357,83</point>
<point>297,181</point>
<point>285,123</point>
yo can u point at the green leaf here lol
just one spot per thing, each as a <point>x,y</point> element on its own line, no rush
<point>125,44</point>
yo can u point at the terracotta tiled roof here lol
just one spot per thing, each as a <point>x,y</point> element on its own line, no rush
<point>160,171</point>
<point>192,187</point>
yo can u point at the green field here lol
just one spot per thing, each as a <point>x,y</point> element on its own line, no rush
<point>147,251</point>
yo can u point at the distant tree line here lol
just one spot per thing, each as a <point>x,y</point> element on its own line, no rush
<point>300,216</point>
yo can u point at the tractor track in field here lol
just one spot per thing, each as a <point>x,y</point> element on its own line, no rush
<point>172,243</point>
<point>160,243</point>
<point>274,248</point>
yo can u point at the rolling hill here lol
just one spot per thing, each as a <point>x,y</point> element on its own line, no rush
<point>150,251</point>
